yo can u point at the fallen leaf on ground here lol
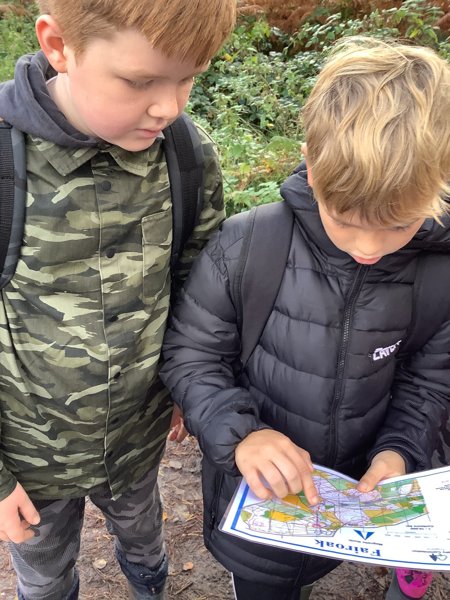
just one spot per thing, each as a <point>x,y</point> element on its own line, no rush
<point>175,464</point>
<point>100,563</point>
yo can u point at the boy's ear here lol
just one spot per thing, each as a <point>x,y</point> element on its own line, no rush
<point>308,169</point>
<point>52,42</point>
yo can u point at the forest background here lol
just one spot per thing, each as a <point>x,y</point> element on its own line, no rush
<point>249,101</point>
<point>251,97</point>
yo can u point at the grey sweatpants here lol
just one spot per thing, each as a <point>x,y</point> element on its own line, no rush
<point>45,565</point>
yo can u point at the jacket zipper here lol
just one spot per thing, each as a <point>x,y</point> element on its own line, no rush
<point>216,499</point>
<point>342,356</point>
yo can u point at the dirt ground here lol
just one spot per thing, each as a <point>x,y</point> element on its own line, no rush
<point>194,574</point>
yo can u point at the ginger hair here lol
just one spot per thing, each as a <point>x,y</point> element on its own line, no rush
<point>189,29</point>
<point>378,132</point>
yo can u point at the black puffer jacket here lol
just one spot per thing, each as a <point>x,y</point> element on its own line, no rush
<point>316,374</point>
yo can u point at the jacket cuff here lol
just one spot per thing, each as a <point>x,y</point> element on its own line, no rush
<point>221,449</point>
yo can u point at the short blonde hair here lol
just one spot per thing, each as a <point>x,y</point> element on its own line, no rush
<point>377,127</point>
<point>188,29</point>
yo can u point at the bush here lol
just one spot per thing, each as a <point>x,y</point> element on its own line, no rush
<point>414,20</point>
<point>253,92</point>
<point>17,37</point>
<point>251,97</point>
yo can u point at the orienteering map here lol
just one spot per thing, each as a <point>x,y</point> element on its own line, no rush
<point>403,522</point>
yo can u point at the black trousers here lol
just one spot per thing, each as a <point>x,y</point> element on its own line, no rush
<point>248,590</point>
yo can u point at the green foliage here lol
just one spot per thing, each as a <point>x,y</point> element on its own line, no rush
<point>415,20</point>
<point>255,168</point>
<point>251,96</point>
<point>247,86</point>
<point>253,165</point>
<point>250,99</point>
<point>253,92</point>
<point>17,37</point>
<point>238,200</point>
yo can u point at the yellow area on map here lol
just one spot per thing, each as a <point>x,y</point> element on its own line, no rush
<point>296,501</point>
<point>281,517</point>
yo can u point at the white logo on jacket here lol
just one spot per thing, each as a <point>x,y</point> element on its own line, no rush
<point>385,352</point>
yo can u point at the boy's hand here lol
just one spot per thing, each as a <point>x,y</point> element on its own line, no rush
<point>17,513</point>
<point>384,465</point>
<point>177,431</point>
<point>270,455</point>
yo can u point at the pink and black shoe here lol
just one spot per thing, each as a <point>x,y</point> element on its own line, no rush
<point>410,584</point>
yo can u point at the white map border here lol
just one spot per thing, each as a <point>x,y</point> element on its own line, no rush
<point>426,546</point>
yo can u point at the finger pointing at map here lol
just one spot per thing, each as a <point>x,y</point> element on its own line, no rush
<point>271,456</point>
<point>402,522</point>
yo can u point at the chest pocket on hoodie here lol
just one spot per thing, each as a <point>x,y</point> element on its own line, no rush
<point>156,250</point>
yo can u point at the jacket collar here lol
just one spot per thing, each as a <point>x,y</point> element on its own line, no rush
<point>66,160</point>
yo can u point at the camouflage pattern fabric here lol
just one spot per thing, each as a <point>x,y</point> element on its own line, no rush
<point>82,320</point>
<point>45,563</point>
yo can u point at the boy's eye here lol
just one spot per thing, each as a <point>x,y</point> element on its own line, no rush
<point>137,84</point>
<point>340,223</point>
<point>402,228</point>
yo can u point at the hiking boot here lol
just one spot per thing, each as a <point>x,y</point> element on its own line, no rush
<point>409,584</point>
<point>149,594</point>
<point>306,591</point>
<point>72,594</point>
<point>144,583</point>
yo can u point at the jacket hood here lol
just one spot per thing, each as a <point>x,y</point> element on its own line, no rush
<point>26,104</point>
<point>431,237</point>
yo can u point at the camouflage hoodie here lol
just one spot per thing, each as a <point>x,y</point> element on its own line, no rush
<point>82,321</point>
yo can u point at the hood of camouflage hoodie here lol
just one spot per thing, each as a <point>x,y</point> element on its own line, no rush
<point>26,104</point>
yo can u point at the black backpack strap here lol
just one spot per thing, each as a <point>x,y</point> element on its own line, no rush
<point>185,163</point>
<point>12,199</point>
<point>431,300</point>
<point>260,269</point>
<point>431,309</point>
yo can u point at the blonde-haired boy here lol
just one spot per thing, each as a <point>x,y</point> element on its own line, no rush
<point>82,320</point>
<point>331,380</point>
<point>374,127</point>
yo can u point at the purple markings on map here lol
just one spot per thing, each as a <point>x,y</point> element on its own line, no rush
<point>399,523</point>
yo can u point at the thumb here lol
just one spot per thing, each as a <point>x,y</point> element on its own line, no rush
<point>29,512</point>
<point>370,479</point>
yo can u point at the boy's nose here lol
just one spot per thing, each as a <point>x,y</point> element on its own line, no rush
<point>369,245</point>
<point>166,106</point>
